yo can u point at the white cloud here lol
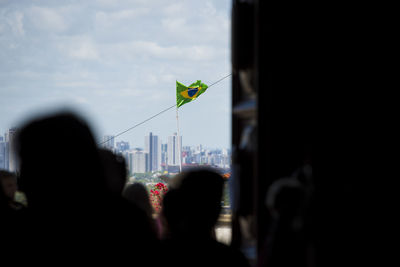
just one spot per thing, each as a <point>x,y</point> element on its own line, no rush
<point>108,18</point>
<point>74,83</point>
<point>167,78</point>
<point>174,9</point>
<point>201,23</point>
<point>174,52</point>
<point>81,100</point>
<point>210,9</point>
<point>47,19</point>
<point>131,92</point>
<point>79,47</point>
<point>12,21</point>
<point>174,24</point>
<point>84,50</point>
<point>118,4</point>
<point>17,24</point>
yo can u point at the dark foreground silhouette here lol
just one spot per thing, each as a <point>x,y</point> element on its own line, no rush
<point>75,214</point>
<point>191,209</point>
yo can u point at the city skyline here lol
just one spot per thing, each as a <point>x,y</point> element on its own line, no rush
<point>153,156</point>
<point>164,157</point>
<point>163,141</point>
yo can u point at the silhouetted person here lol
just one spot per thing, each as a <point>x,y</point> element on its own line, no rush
<point>286,244</point>
<point>73,209</point>
<point>134,221</point>
<point>60,165</point>
<point>115,173</point>
<point>12,213</point>
<point>138,195</point>
<point>4,201</point>
<point>8,188</point>
<point>191,208</point>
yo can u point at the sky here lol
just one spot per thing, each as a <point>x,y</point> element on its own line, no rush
<point>116,63</point>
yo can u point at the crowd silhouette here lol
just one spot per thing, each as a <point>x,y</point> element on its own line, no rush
<point>80,208</point>
<point>74,190</point>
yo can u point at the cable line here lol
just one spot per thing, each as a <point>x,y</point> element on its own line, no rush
<point>159,113</point>
<point>220,80</point>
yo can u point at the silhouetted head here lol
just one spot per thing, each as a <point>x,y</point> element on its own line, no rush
<point>137,194</point>
<point>5,194</point>
<point>194,202</point>
<point>8,184</point>
<point>114,171</point>
<point>59,162</point>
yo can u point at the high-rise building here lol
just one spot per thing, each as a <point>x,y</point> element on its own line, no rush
<point>186,155</point>
<point>108,142</point>
<point>173,149</point>
<point>199,148</point>
<point>2,154</point>
<point>153,148</point>
<point>129,161</point>
<point>6,156</point>
<point>138,161</point>
<point>11,158</point>
<point>164,154</point>
<point>122,146</point>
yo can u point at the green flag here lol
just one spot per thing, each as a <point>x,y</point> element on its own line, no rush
<point>185,94</point>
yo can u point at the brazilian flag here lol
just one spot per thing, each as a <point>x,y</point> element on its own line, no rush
<point>185,94</point>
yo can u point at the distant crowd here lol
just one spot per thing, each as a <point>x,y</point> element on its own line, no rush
<point>78,209</point>
<point>75,207</point>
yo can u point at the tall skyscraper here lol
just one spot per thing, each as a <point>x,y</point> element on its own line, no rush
<point>2,154</point>
<point>129,161</point>
<point>11,158</point>
<point>6,156</point>
<point>153,148</point>
<point>108,142</point>
<point>138,161</point>
<point>164,153</point>
<point>173,149</point>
